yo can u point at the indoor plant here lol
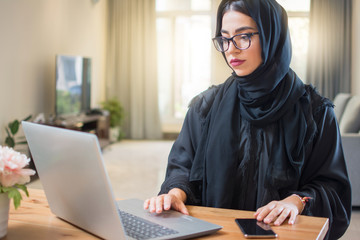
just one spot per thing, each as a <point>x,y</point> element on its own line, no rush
<point>12,140</point>
<point>11,130</point>
<point>13,177</point>
<point>116,111</point>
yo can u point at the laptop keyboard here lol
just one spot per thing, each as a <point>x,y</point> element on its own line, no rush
<point>140,228</point>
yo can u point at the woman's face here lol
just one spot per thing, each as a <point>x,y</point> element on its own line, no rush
<point>243,62</point>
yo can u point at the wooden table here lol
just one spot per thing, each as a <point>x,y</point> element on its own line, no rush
<point>34,220</point>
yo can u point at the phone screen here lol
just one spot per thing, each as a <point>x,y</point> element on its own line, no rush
<point>252,228</point>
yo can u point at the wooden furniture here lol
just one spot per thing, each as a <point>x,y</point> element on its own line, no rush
<point>33,220</point>
<point>97,124</point>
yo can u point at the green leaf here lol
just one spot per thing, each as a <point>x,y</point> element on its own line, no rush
<point>27,118</point>
<point>14,126</point>
<point>24,188</point>
<point>13,193</point>
<point>9,141</point>
<point>16,196</point>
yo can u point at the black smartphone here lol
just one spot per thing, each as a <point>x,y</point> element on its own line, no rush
<point>252,228</point>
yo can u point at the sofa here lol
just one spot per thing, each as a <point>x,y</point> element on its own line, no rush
<point>347,111</point>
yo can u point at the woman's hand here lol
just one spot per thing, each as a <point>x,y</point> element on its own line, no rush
<point>278,211</point>
<point>174,199</point>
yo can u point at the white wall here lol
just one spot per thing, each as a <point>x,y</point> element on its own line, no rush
<point>32,32</point>
<point>355,48</point>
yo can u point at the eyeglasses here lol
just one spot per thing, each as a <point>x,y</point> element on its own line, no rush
<point>241,41</point>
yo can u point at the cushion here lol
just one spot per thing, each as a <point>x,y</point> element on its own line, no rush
<point>340,102</point>
<point>350,120</point>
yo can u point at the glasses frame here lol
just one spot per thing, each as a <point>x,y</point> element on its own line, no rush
<point>249,35</point>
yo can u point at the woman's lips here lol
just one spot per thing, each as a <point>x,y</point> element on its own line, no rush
<point>236,62</point>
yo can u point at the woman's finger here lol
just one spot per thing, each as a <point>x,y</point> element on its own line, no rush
<point>159,204</point>
<point>284,214</point>
<point>168,201</point>
<point>273,214</point>
<point>165,202</point>
<point>152,205</point>
<point>146,204</point>
<point>180,206</point>
<point>293,215</point>
<point>262,212</point>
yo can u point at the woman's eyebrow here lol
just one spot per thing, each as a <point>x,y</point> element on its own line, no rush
<point>238,29</point>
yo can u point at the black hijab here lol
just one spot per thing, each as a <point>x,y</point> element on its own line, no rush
<point>255,89</point>
<point>269,95</point>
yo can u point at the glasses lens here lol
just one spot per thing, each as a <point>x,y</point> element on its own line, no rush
<point>221,44</point>
<point>242,41</point>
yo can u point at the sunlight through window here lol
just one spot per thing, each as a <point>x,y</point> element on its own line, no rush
<point>184,48</point>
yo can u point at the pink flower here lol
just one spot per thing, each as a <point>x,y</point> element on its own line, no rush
<point>12,165</point>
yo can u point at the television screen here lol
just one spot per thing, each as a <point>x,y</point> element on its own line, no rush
<point>73,78</point>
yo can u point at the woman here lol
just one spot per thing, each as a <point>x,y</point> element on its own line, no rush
<point>262,140</point>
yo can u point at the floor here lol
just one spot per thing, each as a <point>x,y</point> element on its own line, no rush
<point>137,169</point>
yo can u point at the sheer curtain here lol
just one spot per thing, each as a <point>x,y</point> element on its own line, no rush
<point>329,57</point>
<point>131,65</point>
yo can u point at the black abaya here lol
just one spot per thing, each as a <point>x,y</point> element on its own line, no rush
<point>263,137</point>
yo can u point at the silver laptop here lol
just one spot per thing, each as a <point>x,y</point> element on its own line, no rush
<point>71,169</point>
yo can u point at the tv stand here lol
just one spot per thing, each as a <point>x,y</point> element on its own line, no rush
<point>96,124</point>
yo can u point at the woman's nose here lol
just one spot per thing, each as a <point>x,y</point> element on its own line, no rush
<point>232,47</point>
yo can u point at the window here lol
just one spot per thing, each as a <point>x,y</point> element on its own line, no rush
<point>184,48</point>
<point>298,15</point>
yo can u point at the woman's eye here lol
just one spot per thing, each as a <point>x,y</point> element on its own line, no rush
<point>244,37</point>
